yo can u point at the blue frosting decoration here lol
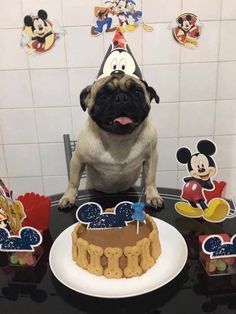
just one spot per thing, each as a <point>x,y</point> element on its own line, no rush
<point>138,211</point>
<point>26,241</point>
<point>92,214</point>
<point>216,247</point>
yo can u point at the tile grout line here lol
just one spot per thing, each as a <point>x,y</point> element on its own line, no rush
<point>218,69</point>
<point>35,116</point>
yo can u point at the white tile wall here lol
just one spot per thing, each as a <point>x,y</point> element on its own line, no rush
<point>228,41</point>
<point>197,118</point>
<point>167,179</point>
<point>225,122</point>
<point>226,80</point>
<point>26,184</point>
<point>53,159</point>
<point>79,118</point>
<point>52,123</point>
<point>161,42</point>
<point>52,7</point>
<point>161,11</point>
<point>24,130</point>
<point>80,78</point>
<point>12,56</point>
<point>10,17</point>
<point>39,95</point>
<point>228,9</point>
<point>205,10</point>
<point>81,49</point>
<point>208,45</point>
<point>198,81</point>
<point>165,79</point>
<point>23,160</point>
<point>76,13</point>
<point>3,168</point>
<point>15,91</point>
<point>50,87</point>
<point>162,115</point>
<point>54,58</point>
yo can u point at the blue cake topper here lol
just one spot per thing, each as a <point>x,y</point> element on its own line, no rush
<point>215,246</point>
<point>138,211</point>
<point>26,241</point>
<point>92,214</point>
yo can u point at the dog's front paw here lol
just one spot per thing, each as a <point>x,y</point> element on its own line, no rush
<point>67,200</point>
<point>153,197</point>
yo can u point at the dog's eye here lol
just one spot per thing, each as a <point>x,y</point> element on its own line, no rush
<point>137,90</point>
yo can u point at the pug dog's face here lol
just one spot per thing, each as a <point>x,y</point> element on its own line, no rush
<point>118,103</point>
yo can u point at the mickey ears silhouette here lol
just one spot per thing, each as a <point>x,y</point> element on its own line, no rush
<point>93,216</point>
<point>215,246</point>
<point>26,241</point>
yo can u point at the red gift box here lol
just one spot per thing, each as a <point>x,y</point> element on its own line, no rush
<point>37,209</point>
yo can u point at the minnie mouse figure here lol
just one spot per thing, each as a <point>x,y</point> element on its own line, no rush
<point>202,169</point>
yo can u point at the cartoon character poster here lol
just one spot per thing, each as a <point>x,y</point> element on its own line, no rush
<point>39,33</point>
<point>201,167</point>
<point>186,30</point>
<point>117,13</point>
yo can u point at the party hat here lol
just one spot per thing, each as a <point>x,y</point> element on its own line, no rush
<point>119,59</point>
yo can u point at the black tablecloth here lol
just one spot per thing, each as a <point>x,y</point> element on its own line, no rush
<point>36,290</point>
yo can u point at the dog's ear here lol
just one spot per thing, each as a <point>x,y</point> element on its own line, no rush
<point>84,97</point>
<point>152,93</point>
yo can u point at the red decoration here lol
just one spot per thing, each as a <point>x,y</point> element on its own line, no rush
<point>217,192</point>
<point>37,209</point>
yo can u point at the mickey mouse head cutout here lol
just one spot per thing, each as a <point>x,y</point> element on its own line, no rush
<point>202,168</point>
<point>187,31</point>
<point>39,34</point>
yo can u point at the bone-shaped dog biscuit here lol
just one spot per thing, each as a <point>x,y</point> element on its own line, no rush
<point>82,249</point>
<point>155,244</point>
<point>132,269</point>
<point>95,266</point>
<point>113,269</point>
<point>147,260</point>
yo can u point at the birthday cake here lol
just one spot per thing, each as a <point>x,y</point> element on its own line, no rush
<point>102,246</point>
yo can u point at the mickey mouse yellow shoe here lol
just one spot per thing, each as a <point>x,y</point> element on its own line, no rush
<point>131,28</point>
<point>188,211</point>
<point>217,210</point>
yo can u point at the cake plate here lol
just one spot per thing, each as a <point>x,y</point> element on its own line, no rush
<point>168,266</point>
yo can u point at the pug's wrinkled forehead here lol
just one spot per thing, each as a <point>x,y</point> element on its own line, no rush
<point>119,59</point>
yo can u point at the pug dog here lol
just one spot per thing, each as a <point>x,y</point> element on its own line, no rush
<point>118,140</point>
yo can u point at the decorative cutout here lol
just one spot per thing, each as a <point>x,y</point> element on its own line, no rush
<point>91,214</point>
<point>39,33</point>
<point>202,168</point>
<point>26,241</point>
<point>216,247</point>
<point>138,214</point>
<point>187,31</point>
<point>119,59</point>
<point>118,13</point>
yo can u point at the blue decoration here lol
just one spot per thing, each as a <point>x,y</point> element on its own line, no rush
<point>92,214</point>
<point>26,241</point>
<point>216,247</point>
<point>138,211</point>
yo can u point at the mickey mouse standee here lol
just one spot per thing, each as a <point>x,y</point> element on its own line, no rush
<point>202,168</point>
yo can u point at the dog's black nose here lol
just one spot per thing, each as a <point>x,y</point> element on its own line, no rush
<point>121,98</point>
<point>118,73</point>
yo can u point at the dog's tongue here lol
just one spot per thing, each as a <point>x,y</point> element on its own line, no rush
<point>123,120</point>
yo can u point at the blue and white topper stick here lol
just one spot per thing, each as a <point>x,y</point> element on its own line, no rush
<point>138,214</point>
